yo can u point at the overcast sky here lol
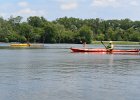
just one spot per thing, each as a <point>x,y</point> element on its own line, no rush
<point>52,9</point>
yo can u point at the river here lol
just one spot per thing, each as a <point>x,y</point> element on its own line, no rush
<point>55,73</point>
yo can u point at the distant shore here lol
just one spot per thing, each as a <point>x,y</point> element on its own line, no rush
<point>96,42</point>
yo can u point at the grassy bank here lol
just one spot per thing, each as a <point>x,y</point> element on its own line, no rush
<point>118,42</point>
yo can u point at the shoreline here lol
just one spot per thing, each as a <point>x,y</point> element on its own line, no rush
<point>93,42</point>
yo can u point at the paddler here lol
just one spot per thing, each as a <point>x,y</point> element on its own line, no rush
<point>110,46</point>
<point>84,43</point>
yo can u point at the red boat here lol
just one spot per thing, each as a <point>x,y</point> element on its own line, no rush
<point>104,50</point>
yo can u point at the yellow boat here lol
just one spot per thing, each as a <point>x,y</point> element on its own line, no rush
<point>20,45</point>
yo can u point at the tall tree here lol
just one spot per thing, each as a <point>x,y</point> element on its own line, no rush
<point>86,34</point>
<point>36,21</point>
<point>26,31</point>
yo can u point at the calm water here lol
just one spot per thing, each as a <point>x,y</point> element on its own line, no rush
<point>54,73</point>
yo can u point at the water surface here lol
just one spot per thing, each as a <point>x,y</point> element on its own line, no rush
<point>54,73</point>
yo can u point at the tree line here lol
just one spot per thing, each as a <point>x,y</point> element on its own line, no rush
<point>67,30</point>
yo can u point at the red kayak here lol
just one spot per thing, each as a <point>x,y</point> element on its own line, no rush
<point>103,50</point>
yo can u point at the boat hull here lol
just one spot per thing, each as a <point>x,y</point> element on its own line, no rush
<point>20,45</point>
<point>102,50</point>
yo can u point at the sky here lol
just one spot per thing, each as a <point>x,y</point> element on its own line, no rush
<point>83,9</point>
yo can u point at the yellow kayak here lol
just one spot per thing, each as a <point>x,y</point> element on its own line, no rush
<point>20,45</point>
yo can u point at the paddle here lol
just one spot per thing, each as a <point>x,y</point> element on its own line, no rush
<point>104,44</point>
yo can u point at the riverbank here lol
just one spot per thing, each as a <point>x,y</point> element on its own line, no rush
<point>93,42</point>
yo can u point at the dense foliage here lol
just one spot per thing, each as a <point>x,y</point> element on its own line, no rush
<point>67,30</point>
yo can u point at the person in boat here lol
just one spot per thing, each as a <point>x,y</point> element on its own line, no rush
<point>84,43</point>
<point>110,46</point>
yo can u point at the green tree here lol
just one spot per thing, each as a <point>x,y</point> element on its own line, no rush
<point>26,31</point>
<point>100,37</point>
<point>86,34</point>
<point>135,36</point>
<point>36,34</point>
<point>36,21</point>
